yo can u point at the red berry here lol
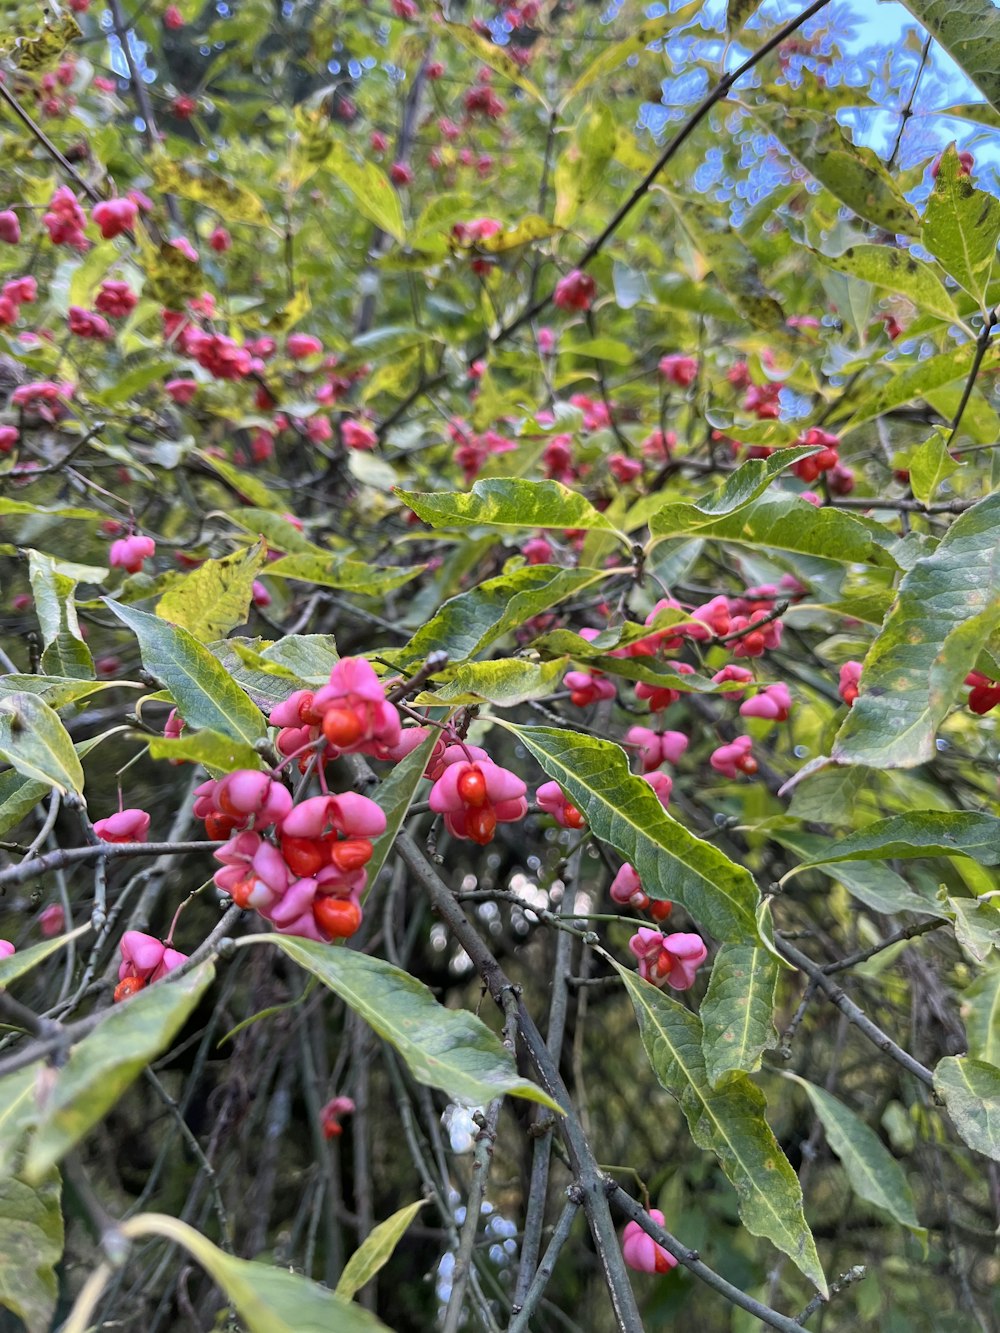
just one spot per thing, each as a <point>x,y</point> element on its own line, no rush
<point>747,764</point>
<point>337,918</point>
<point>351,854</point>
<point>219,827</point>
<point>573,817</point>
<point>659,911</point>
<point>128,986</point>
<point>341,726</point>
<point>242,889</point>
<point>303,856</point>
<point>481,825</point>
<point>472,788</point>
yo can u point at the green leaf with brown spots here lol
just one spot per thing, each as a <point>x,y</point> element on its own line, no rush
<point>947,608</point>
<point>969,30</point>
<point>855,175</point>
<point>962,227</point>
<point>893,269</point>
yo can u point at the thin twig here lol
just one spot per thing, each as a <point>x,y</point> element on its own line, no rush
<point>853,1013</point>
<point>93,195</point>
<point>67,856</point>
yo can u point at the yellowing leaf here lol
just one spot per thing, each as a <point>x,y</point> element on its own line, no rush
<point>214,598</point>
<point>233,202</point>
<point>376,1250</point>
<point>496,57</point>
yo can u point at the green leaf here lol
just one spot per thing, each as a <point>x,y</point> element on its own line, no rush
<point>522,232</point>
<point>581,169</point>
<point>242,483</point>
<point>55,511</point>
<point>617,53</point>
<point>923,833</point>
<point>600,349</point>
<point>737,1012</point>
<point>267,1299</point>
<point>58,691</point>
<point>108,1061</point>
<point>506,682</point>
<point>855,175</point>
<point>310,656</point>
<point>205,694</point>
<point>337,571</point>
<point>443,1048</point>
<point>873,1172</point>
<point>871,882</point>
<point>981,1014</point>
<point>18,797</point>
<point>947,607</point>
<point>496,58</point>
<point>470,622</point>
<point>977,924</point>
<point>231,201</point>
<point>970,1090</point>
<point>929,465</point>
<point>31,1244</point>
<point>750,480</point>
<point>19,1094</point>
<point>969,30</point>
<point>276,529</point>
<point>373,193</point>
<point>214,598</point>
<point>25,959</point>
<point>729,1121</point>
<point>64,652</point>
<point>783,523</point>
<point>34,741</point>
<point>376,1250</point>
<point>507,502</point>
<point>737,13</point>
<point>732,262</point>
<point>961,227</point>
<point>211,748</point>
<point>623,811</point>
<point>830,797</point>
<point>914,382</point>
<point>893,269</point>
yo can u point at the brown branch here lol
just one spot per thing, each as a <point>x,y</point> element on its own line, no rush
<point>853,1013</point>
<point>67,856</point>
